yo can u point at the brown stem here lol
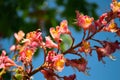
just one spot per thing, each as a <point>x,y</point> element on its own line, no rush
<point>84,35</point>
<point>73,40</point>
<point>35,71</point>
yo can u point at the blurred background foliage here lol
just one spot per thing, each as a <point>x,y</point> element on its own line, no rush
<point>29,15</point>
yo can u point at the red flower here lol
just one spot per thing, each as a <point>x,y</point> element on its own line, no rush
<point>107,50</point>
<point>101,21</point>
<point>49,43</point>
<point>80,64</point>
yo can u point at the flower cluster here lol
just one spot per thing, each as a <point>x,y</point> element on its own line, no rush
<point>55,59</point>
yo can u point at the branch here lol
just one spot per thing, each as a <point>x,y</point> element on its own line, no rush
<point>35,71</point>
<point>109,18</point>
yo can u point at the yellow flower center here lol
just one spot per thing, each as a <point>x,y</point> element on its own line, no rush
<point>86,45</point>
<point>60,63</point>
<point>112,25</point>
<point>29,53</point>
<point>118,4</point>
<point>88,20</point>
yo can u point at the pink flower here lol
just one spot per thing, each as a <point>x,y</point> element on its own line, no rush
<point>49,43</point>
<point>19,36</point>
<point>55,61</point>
<point>55,33</point>
<point>50,56</point>
<point>6,62</point>
<point>59,62</point>
<point>101,21</point>
<point>25,55</point>
<point>112,27</point>
<point>83,21</point>
<point>64,27</point>
<point>85,47</point>
<point>13,47</point>
<point>115,6</point>
<point>34,38</point>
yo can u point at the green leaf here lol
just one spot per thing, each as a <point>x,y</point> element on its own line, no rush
<point>66,42</point>
<point>18,76</point>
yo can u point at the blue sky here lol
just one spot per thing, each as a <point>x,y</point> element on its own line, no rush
<point>98,70</point>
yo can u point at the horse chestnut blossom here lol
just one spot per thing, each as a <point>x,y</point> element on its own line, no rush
<point>50,56</point>
<point>112,27</point>
<point>85,47</point>
<point>84,21</point>
<point>107,50</point>
<point>56,61</point>
<point>49,43</point>
<point>102,20</point>
<point>5,61</point>
<point>34,39</point>
<point>115,6</point>
<point>62,29</point>
<point>55,33</point>
<point>25,55</point>
<point>30,43</point>
<point>55,52</point>
<point>80,64</point>
<point>59,62</point>
<point>19,35</point>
